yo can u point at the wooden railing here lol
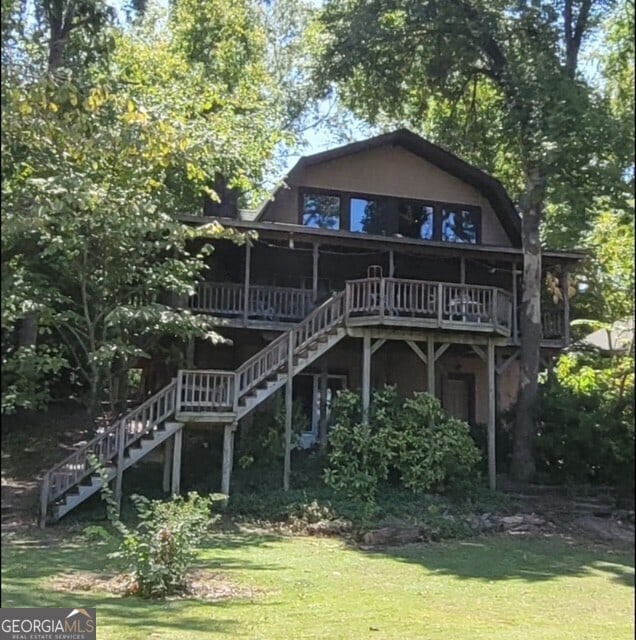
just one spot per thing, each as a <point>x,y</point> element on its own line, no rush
<point>276,304</point>
<point>552,324</point>
<point>446,303</point>
<point>273,357</point>
<point>108,444</point>
<point>205,390</point>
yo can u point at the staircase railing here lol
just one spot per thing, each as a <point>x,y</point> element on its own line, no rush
<point>270,359</point>
<point>106,445</point>
<point>205,390</point>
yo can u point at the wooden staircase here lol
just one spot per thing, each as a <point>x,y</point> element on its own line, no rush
<point>201,395</point>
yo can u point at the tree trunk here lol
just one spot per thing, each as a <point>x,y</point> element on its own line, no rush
<point>523,467</point>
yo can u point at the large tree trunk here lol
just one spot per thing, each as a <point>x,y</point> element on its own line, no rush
<point>523,467</point>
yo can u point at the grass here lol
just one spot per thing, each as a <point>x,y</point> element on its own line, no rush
<point>488,588</point>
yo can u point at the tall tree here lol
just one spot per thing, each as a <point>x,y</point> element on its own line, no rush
<point>397,61</point>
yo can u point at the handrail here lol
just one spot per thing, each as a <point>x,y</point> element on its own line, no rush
<point>131,427</point>
<point>261,365</point>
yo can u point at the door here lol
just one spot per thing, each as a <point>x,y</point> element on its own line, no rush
<point>458,396</point>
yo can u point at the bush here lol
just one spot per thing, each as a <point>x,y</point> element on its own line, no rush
<point>413,439</point>
<point>586,432</point>
<point>160,550</point>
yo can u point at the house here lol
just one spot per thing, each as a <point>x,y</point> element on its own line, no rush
<point>387,261</point>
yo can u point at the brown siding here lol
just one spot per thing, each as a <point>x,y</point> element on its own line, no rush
<point>388,171</point>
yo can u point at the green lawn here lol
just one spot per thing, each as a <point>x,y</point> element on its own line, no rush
<point>320,588</point>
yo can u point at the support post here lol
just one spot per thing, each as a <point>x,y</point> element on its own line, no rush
<point>462,270</point>
<point>322,426</point>
<point>492,466</point>
<point>167,458</point>
<point>566,307</point>
<point>228,455</point>
<point>246,283</point>
<point>391,263</point>
<point>430,365</point>
<point>314,273</point>
<point>366,377</point>
<point>190,354</point>
<point>121,445</point>
<point>515,303</point>
<point>44,499</point>
<point>176,462</point>
<point>288,410</point>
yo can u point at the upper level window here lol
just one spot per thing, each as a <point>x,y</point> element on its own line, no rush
<point>321,211</point>
<point>416,220</point>
<point>370,216</point>
<point>460,224</point>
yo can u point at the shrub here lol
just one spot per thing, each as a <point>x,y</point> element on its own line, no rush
<point>586,432</point>
<point>159,550</point>
<point>414,438</point>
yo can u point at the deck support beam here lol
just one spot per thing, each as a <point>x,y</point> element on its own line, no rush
<point>515,303</point>
<point>228,456</point>
<point>430,366</point>
<point>366,377</point>
<point>492,464</point>
<point>416,349</point>
<point>167,459</point>
<point>288,410</point>
<point>566,306</point>
<point>462,270</point>
<point>391,263</point>
<point>322,426</point>
<point>314,273</point>
<point>119,478</point>
<point>246,282</point>
<point>176,462</point>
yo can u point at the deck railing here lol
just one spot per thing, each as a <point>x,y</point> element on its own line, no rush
<point>205,390</point>
<point>275,304</point>
<point>442,303</point>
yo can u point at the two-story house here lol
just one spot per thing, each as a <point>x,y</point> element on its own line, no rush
<point>387,261</point>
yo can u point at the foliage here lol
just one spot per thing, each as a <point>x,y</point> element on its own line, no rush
<point>131,127</point>
<point>587,424</point>
<point>160,550</point>
<point>414,438</point>
<point>263,444</point>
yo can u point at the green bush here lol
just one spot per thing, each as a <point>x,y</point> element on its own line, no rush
<point>413,438</point>
<point>586,432</point>
<point>160,550</point>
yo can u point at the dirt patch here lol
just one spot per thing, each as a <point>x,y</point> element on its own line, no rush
<point>210,586</point>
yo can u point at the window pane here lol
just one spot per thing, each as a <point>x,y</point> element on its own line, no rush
<point>416,220</point>
<point>370,216</point>
<point>460,225</point>
<point>321,211</point>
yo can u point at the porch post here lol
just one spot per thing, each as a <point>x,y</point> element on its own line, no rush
<point>366,377</point>
<point>322,427</point>
<point>176,462</point>
<point>314,273</point>
<point>391,263</point>
<point>492,468</point>
<point>430,365</point>
<point>246,283</point>
<point>462,270</point>
<point>288,410</point>
<point>514,301</point>
<point>566,306</point>
<point>167,457</point>
<point>228,453</point>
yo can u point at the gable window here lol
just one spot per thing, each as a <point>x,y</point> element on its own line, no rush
<point>321,211</point>
<point>416,220</point>
<point>461,224</point>
<point>370,216</point>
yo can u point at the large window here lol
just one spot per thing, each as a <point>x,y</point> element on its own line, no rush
<point>321,211</point>
<point>390,216</point>
<point>460,224</point>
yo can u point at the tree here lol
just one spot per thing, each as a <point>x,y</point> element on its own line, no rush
<point>99,156</point>
<point>402,62</point>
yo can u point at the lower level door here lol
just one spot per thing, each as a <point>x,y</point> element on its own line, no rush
<point>458,396</point>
